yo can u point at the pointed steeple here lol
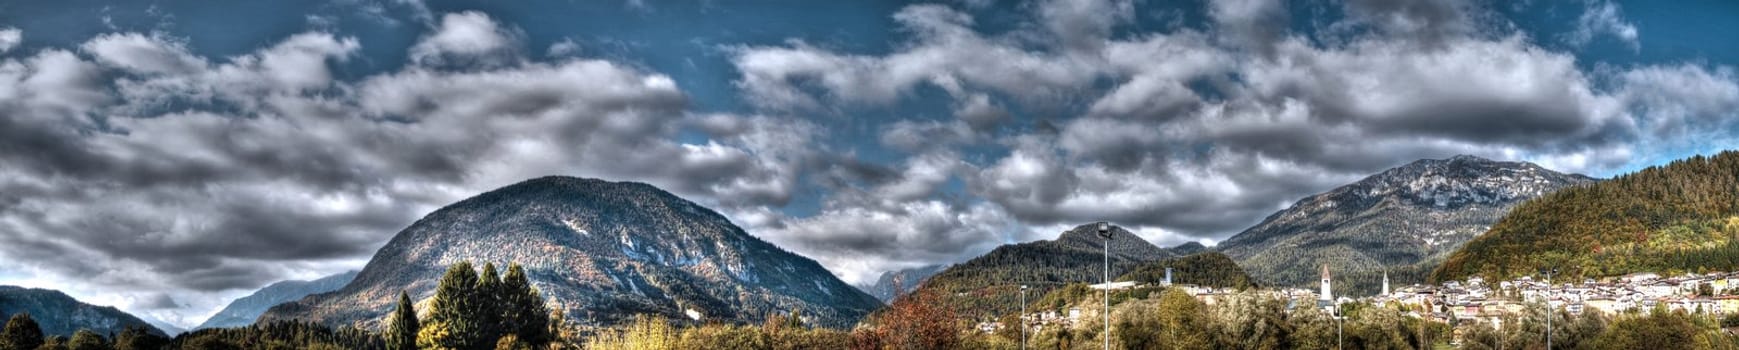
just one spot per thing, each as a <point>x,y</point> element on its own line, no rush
<point>1385,283</point>
<point>1326,294</point>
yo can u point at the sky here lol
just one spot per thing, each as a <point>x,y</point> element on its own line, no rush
<point>165,157</point>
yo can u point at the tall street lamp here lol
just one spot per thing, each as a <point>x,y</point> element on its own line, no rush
<point>1337,333</point>
<point>1022,318</point>
<point>1549,310</point>
<point>1105,232</point>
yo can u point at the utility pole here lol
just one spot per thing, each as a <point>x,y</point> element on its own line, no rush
<point>1105,232</point>
<point>1022,318</point>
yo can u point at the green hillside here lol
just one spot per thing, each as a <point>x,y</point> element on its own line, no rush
<point>1681,217</point>
<point>1210,269</point>
<point>989,285</point>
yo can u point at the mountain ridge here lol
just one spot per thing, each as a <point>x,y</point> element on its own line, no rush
<point>599,251</point>
<point>60,314</point>
<point>1402,221</point>
<point>243,311</point>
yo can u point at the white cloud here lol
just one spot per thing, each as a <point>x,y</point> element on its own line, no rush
<point>9,38</point>
<point>469,37</point>
<point>142,54</point>
<point>1603,18</point>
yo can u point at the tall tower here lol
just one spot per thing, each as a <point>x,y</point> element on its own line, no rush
<point>1385,283</point>
<point>1325,294</point>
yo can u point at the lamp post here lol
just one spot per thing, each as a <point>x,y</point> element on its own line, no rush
<point>1105,232</point>
<point>1022,318</point>
<point>1549,310</point>
<point>1338,343</point>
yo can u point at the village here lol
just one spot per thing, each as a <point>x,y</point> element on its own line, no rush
<point>1472,300</point>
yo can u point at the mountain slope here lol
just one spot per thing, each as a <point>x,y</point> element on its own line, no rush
<point>1190,248</point>
<point>1210,269</point>
<point>59,314</point>
<point>601,252</point>
<point>906,280</point>
<point>169,329</point>
<point>1403,220</point>
<point>244,311</point>
<point>990,284</point>
<point>1681,217</point>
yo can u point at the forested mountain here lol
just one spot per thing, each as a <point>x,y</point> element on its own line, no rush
<point>244,311</point>
<point>1211,269</point>
<point>1188,248</point>
<point>1683,216</point>
<point>990,284</point>
<point>599,251</point>
<point>905,280</point>
<point>1403,220</point>
<point>59,314</point>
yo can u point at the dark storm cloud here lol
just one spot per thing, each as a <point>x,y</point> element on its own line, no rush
<point>129,163</point>
<point>133,165</point>
<point>1205,131</point>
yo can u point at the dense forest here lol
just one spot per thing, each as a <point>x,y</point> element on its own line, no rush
<point>1680,217</point>
<point>1210,269</point>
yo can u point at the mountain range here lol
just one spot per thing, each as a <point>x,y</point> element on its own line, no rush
<point>892,284</point>
<point>1403,221</point>
<point>599,251</point>
<point>59,314</point>
<point>244,311</point>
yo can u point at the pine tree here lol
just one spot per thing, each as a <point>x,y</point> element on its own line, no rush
<point>490,301</point>
<point>524,313</point>
<point>402,333</point>
<point>453,323</point>
<point>21,333</point>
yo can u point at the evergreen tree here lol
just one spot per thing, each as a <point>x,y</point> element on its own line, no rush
<point>453,321</point>
<point>85,339</point>
<point>489,302</point>
<point>525,314</point>
<point>21,333</point>
<point>402,333</point>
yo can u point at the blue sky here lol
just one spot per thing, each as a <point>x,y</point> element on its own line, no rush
<point>193,135</point>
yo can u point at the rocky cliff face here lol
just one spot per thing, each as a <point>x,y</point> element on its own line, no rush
<point>905,280</point>
<point>244,311</point>
<point>59,314</point>
<point>601,252</point>
<point>1404,220</point>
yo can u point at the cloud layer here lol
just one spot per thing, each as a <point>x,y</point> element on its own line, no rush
<point>131,162</point>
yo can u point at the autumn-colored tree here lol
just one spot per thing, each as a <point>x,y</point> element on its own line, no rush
<point>918,321</point>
